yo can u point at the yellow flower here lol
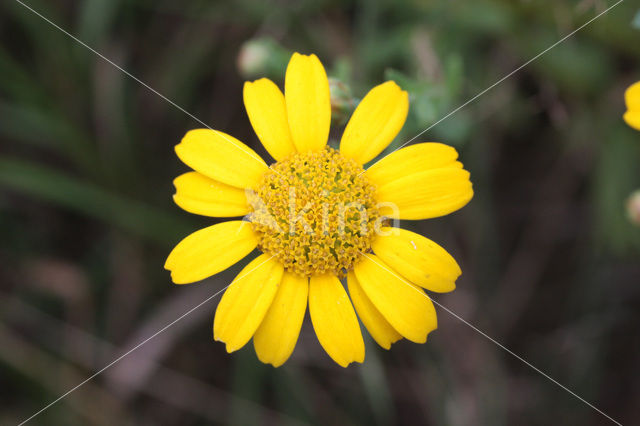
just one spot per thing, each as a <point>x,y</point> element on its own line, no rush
<point>632,99</point>
<point>317,216</point>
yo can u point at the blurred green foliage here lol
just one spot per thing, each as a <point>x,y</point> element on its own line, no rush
<point>550,260</point>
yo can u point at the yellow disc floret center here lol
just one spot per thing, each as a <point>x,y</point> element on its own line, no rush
<point>315,212</point>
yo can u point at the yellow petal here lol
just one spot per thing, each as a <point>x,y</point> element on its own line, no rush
<point>210,250</point>
<point>427,194</point>
<point>306,92</point>
<point>412,159</point>
<point>632,96</point>
<point>199,194</point>
<point>246,301</point>
<point>632,118</point>
<point>267,112</point>
<point>334,320</point>
<point>379,328</point>
<point>221,157</point>
<point>418,259</point>
<point>276,337</point>
<point>404,305</point>
<point>375,122</point>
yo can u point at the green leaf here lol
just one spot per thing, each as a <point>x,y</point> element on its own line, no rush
<point>49,185</point>
<point>96,17</point>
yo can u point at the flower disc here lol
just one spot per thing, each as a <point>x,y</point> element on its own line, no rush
<point>315,212</point>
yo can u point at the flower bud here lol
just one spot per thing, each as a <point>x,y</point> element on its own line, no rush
<point>253,57</point>
<point>633,207</point>
<point>262,57</point>
<point>342,102</point>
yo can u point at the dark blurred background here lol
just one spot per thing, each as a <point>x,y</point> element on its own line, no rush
<point>551,262</point>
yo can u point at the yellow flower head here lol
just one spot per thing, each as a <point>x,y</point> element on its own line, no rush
<point>317,216</point>
<point>632,99</point>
